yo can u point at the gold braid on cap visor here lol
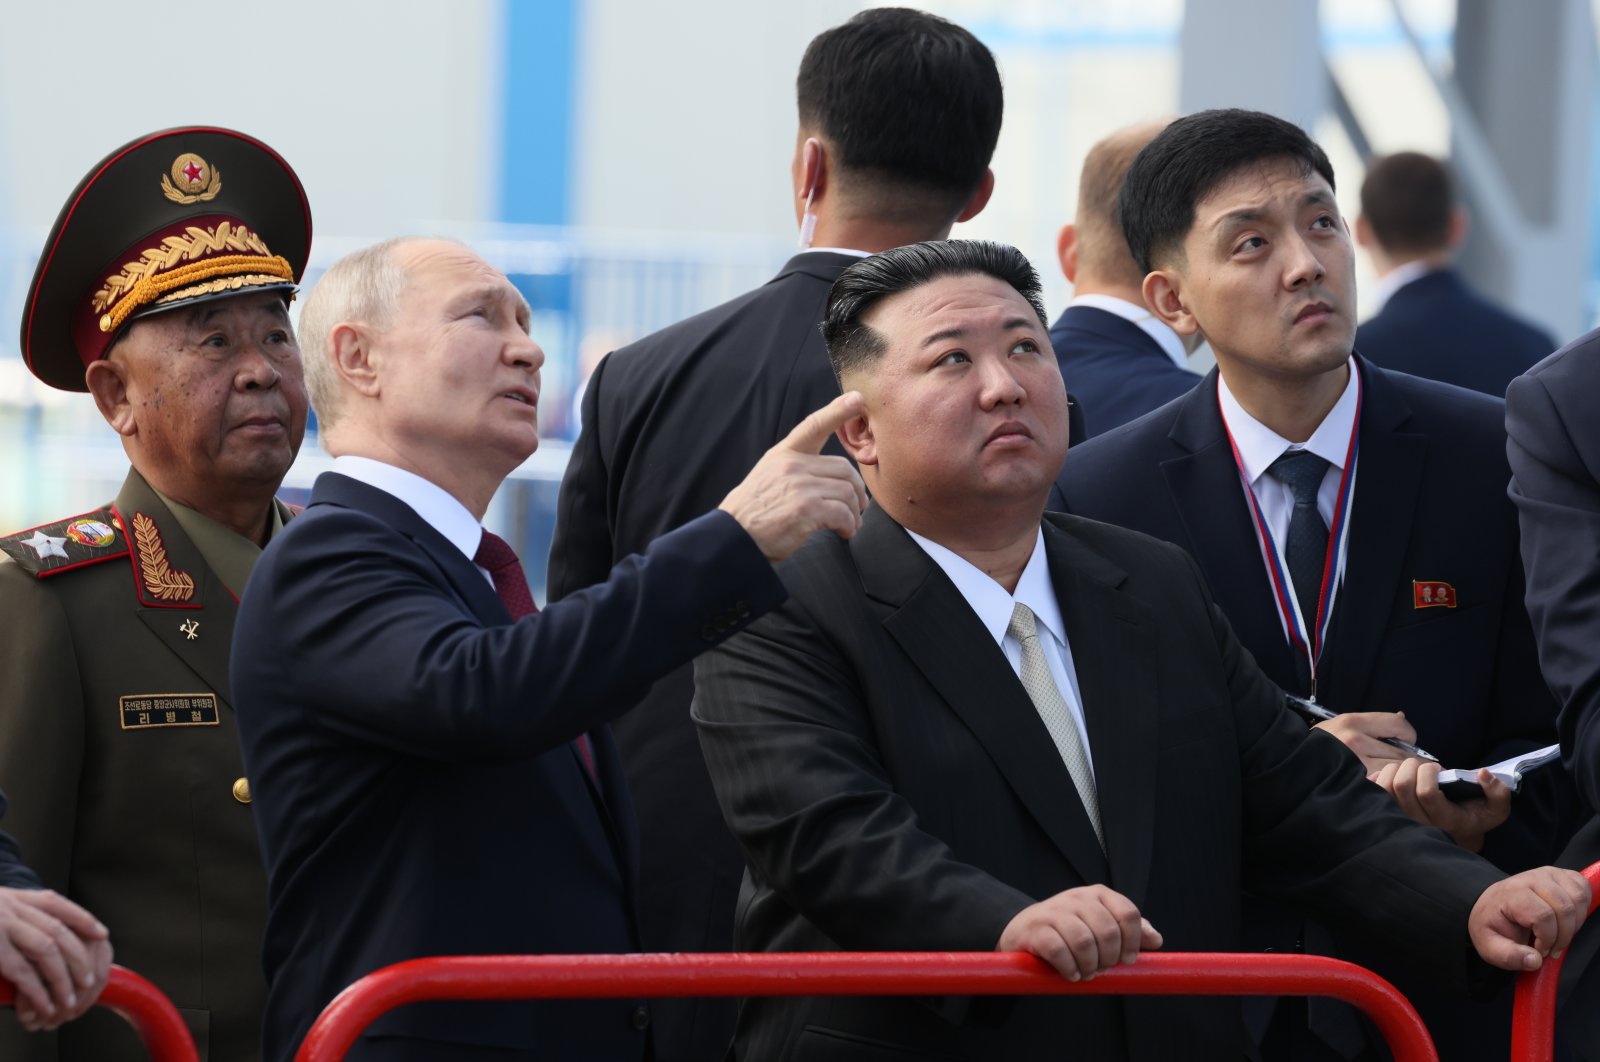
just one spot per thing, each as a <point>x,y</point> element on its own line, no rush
<point>157,275</point>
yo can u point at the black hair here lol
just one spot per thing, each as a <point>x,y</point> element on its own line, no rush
<point>1189,159</point>
<point>1408,199</point>
<point>904,98</point>
<point>853,345</point>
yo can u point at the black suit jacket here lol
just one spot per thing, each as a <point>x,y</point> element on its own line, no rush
<point>1429,505</point>
<point>410,755</point>
<point>894,788</point>
<point>671,424</point>
<point>1554,448</point>
<point>1114,367</point>
<point>13,874</point>
<point>1437,327</point>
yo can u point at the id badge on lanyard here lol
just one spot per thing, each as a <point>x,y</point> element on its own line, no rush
<point>1307,638</point>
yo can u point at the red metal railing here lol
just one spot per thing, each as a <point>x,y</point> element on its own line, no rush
<point>143,1006</point>
<point>852,974</point>
<point>1533,1014</point>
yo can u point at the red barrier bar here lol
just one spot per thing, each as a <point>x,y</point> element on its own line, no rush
<point>144,1006</point>
<point>853,974</point>
<point>1533,1014</point>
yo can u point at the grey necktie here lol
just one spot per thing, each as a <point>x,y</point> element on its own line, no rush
<point>1053,710</point>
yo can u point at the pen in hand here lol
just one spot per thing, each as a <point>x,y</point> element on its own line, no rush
<point>1314,713</point>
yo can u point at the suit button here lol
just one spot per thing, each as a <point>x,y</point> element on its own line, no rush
<point>241,790</point>
<point>641,1018</point>
<point>743,610</point>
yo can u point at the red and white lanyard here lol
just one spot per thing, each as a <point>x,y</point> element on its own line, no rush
<point>1304,638</point>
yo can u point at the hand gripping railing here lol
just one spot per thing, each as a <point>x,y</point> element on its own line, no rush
<point>1533,1014</point>
<point>853,974</point>
<point>143,1006</point>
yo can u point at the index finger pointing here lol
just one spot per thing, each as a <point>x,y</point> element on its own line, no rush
<point>811,434</point>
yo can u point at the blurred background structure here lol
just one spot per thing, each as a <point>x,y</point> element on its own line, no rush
<point>627,164</point>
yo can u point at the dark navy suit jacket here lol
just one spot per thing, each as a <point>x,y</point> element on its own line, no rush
<point>1554,447</point>
<point>1113,367</point>
<point>12,873</point>
<point>1430,505</point>
<point>411,760</point>
<point>1438,328</point>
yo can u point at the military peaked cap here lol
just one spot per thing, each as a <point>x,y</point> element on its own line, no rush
<point>171,219</point>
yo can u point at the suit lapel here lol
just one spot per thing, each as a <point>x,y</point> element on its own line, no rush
<point>458,571</point>
<point>186,607</point>
<point>1209,497</point>
<point>1115,670</point>
<point>936,628</point>
<point>472,588</point>
<point>1388,479</point>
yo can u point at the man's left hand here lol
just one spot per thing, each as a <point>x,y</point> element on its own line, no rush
<point>1414,784</point>
<point>1519,921</point>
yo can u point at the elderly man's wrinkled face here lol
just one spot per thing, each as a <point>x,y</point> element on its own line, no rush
<point>966,405</point>
<point>213,396</point>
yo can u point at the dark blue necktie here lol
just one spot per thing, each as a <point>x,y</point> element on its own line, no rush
<point>1307,546</point>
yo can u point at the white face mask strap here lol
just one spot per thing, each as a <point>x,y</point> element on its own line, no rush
<point>808,221</point>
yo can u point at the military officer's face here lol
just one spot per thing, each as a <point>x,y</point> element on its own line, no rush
<point>212,398</point>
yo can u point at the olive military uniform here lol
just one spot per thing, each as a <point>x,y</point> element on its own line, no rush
<point>117,740</point>
<point>118,747</point>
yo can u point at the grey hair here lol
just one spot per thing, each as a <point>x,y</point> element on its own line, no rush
<point>366,286</point>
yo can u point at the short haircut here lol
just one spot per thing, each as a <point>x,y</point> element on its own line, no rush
<point>365,285</point>
<point>1408,199</point>
<point>853,345</point>
<point>908,101</point>
<point>1189,160</point>
<point>1102,248</point>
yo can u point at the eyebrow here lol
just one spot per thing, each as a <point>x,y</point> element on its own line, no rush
<point>205,313</point>
<point>1256,213</point>
<point>1009,324</point>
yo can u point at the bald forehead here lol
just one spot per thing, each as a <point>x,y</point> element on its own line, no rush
<point>421,259</point>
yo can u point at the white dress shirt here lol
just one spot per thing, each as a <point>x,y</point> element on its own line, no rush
<point>994,608</point>
<point>1151,325</point>
<point>437,507</point>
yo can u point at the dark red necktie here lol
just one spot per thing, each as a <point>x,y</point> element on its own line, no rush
<point>496,555</point>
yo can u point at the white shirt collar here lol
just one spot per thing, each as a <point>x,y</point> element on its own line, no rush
<point>1397,278</point>
<point>1259,445</point>
<point>1148,323</point>
<point>437,507</point>
<point>838,250</point>
<point>990,600</point>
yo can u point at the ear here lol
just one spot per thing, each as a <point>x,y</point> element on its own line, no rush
<point>350,349</point>
<point>107,382</point>
<point>980,198</point>
<point>1457,234</point>
<point>1364,235</point>
<point>1067,251</point>
<point>857,438</point>
<point>813,169</point>
<point>1163,293</point>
